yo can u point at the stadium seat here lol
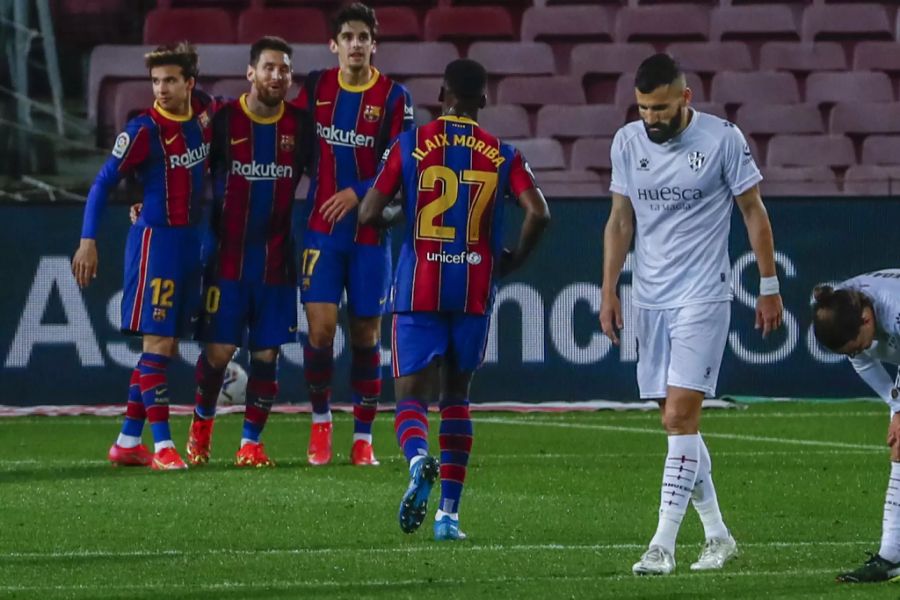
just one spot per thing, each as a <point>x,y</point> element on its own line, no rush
<point>662,23</point>
<point>200,25</point>
<point>757,22</point>
<point>871,180</point>
<point>311,57</point>
<point>802,57</point>
<point>706,58</point>
<point>846,22</point>
<point>506,121</point>
<point>234,88</point>
<point>799,181</point>
<point>754,87</point>
<point>541,153</point>
<point>130,98</point>
<point>712,108</point>
<point>850,86</point>
<point>608,59</point>
<point>422,115</point>
<point>85,24</point>
<point>514,58</point>
<point>810,150</point>
<point>398,23</point>
<point>579,121</point>
<point>881,150</point>
<point>402,59</point>
<point>625,89</point>
<point>424,90</point>
<point>772,119</point>
<point>469,23</point>
<point>572,184</point>
<point>295,25</point>
<point>865,118</point>
<point>877,56</point>
<point>571,23</point>
<point>536,91</point>
<point>592,153</point>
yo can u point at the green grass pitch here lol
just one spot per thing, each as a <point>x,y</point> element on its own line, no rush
<point>556,506</point>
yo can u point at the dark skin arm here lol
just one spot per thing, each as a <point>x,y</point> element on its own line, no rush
<point>537,217</point>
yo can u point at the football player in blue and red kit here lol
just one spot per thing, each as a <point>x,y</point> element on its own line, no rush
<point>455,177</point>
<point>167,147</point>
<point>357,112</point>
<point>260,148</point>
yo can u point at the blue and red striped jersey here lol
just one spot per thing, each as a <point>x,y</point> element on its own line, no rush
<point>168,154</point>
<point>354,126</point>
<point>453,174</point>
<point>256,165</point>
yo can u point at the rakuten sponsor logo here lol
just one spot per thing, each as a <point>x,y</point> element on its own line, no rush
<point>342,137</point>
<point>190,158</point>
<point>261,172</point>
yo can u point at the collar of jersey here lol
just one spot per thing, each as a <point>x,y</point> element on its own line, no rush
<point>256,118</point>
<point>173,117</point>
<point>457,119</point>
<point>359,88</point>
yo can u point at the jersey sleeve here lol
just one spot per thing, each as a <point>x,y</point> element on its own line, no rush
<point>738,168</point>
<point>390,173</point>
<point>131,149</point>
<point>618,183</point>
<point>218,153</point>
<point>521,177</point>
<point>876,377</point>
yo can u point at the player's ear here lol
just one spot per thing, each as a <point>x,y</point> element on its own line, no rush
<point>687,95</point>
<point>250,71</point>
<point>482,102</point>
<point>332,45</point>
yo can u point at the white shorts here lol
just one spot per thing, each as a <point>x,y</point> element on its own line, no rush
<point>681,347</point>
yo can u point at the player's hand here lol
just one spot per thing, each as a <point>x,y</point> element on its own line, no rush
<point>611,317</point>
<point>336,208</point>
<point>135,212</point>
<point>84,263</point>
<point>893,436</point>
<point>507,262</point>
<point>769,313</point>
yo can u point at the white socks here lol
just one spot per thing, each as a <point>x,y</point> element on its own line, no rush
<point>890,528</point>
<point>128,441</point>
<point>159,446</point>
<point>704,497</point>
<point>367,437</point>
<point>323,418</point>
<point>679,474</point>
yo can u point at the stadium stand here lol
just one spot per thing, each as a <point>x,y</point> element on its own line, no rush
<point>200,25</point>
<point>754,23</point>
<point>296,25</point>
<point>509,121</point>
<point>788,150</point>
<point>802,57</point>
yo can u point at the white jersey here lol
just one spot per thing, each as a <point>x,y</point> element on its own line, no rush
<point>883,288</point>
<point>682,192</point>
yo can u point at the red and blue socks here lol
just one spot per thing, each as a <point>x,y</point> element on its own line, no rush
<point>262,388</point>
<point>209,384</point>
<point>365,380</point>
<point>456,444</point>
<point>155,396</point>
<point>318,367</point>
<point>133,426</point>
<point>411,427</point>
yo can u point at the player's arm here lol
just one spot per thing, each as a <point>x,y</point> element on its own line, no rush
<point>130,149</point>
<point>387,184</point>
<point>617,236</point>
<point>769,306</point>
<point>876,377</point>
<point>537,214</point>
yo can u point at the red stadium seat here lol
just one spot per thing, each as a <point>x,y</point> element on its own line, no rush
<point>199,25</point>
<point>469,23</point>
<point>402,59</point>
<point>755,87</point>
<point>422,115</point>
<point>846,22</point>
<point>663,23</point>
<point>541,153</point>
<point>233,88</point>
<point>625,89</point>
<point>762,22</point>
<point>130,98</point>
<point>712,108</point>
<point>852,86</point>
<point>514,58</point>
<point>772,119</point>
<point>310,57</point>
<point>506,121</point>
<point>799,181</point>
<point>398,23</point>
<point>536,91</point>
<point>802,57</point>
<point>711,57</point>
<point>878,56</point>
<point>424,90</point>
<point>870,180</point>
<point>592,153</point>
<point>608,59</point>
<point>296,25</point>
<point>579,121</point>
<point>865,118</point>
<point>881,150</point>
<point>810,150</point>
<point>572,23</point>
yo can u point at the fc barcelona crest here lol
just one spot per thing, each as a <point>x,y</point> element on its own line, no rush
<point>696,160</point>
<point>372,113</point>
<point>204,119</point>
<point>286,143</point>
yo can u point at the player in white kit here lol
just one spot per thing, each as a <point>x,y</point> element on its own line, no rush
<point>861,319</point>
<point>676,173</point>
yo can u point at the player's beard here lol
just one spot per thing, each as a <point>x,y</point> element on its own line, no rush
<point>266,96</point>
<point>660,132</point>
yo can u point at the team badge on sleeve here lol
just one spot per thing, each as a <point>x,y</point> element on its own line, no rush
<point>121,145</point>
<point>286,143</point>
<point>203,118</point>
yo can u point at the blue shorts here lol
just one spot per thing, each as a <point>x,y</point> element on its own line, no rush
<point>417,338</point>
<point>254,315</point>
<point>161,294</point>
<point>327,270</point>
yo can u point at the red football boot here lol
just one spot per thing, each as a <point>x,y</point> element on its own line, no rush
<point>319,451</point>
<point>138,456</point>
<point>167,459</point>
<point>361,454</point>
<point>199,441</point>
<point>253,455</point>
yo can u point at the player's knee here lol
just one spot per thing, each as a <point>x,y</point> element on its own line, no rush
<point>364,333</point>
<point>321,335</point>
<point>681,421</point>
<point>218,355</point>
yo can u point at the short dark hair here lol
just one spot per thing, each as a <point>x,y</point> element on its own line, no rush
<point>354,12</point>
<point>660,69</point>
<point>837,315</point>
<point>182,54</point>
<point>268,42</point>
<point>466,79</point>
